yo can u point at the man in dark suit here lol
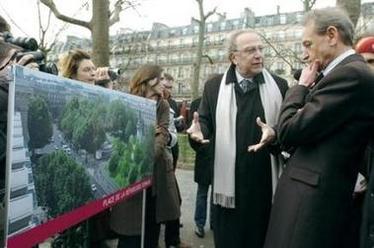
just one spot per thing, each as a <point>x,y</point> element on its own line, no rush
<point>230,105</point>
<point>327,123</point>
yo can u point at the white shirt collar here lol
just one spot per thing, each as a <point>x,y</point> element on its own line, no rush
<point>337,60</point>
<point>240,77</point>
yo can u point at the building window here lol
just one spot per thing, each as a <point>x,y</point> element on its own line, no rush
<point>299,17</point>
<point>283,19</point>
<point>297,47</point>
<point>209,27</point>
<point>196,29</point>
<point>280,66</point>
<point>194,41</point>
<point>222,26</point>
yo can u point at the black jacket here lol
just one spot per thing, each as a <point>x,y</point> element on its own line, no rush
<point>204,154</point>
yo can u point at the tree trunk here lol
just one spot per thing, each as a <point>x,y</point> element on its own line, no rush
<point>100,32</point>
<point>197,64</point>
<point>353,8</point>
<point>199,52</point>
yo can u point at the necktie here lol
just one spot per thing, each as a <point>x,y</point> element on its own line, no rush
<point>244,84</point>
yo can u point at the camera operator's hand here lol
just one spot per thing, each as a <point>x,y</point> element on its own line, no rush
<point>28,61</point>
<point>102,77</point>
<point>102,73</point>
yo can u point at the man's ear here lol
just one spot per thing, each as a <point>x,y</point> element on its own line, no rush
<point>333,35</point>
<point>232,58</point>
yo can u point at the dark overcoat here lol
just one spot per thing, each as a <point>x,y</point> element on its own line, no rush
<point>246,224</point>
<point>328,126</point>
<point>203,170</point>
<point>367,228</point>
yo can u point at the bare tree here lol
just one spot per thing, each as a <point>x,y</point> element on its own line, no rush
<point>308,4</point>
<point>353,8</point>
<point>102,18</point>
<point>199,52</point>
<point>44,45</point>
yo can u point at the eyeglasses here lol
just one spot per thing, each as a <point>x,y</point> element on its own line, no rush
<point>251,50</point>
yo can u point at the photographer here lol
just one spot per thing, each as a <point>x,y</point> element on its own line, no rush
<point>77,64</point>
<point>8,56</point>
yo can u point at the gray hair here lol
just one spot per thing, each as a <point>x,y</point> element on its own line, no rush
<point>336,17</point>
<point>231,45</point>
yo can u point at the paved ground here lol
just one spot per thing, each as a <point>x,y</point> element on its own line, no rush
<point>188,190</point>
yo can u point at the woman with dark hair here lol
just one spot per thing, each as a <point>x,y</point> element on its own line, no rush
<point>162,198</point>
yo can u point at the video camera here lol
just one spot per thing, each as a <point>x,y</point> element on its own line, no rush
<point>30,46</point>
<point>114,73</point>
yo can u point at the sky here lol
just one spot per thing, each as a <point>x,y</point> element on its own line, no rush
<point>23,14</point>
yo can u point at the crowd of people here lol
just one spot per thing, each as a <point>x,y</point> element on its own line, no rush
<point>287,167</point>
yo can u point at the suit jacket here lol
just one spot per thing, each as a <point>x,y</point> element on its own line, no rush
<point>328,126</point>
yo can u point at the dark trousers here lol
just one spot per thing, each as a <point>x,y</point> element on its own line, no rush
<point>235,228</point>
<point>201,205</point>
<point>172,234</point>
<point>125,241</point>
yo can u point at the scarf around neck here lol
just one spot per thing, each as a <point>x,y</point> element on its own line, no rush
<point>225,135</point>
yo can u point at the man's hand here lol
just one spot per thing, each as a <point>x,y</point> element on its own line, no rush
<point>268,136</point>
<point>195,130</point>
<point>309,74</point>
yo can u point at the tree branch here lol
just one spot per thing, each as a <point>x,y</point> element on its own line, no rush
<point>196,20</point>
<point>52,6</point>
<point>114,15</point>
<point>208,57</point>
<point>118,8</point>
<point>275,50</point>
<point>210,13</point>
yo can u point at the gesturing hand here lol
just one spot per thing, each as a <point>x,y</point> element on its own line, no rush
<point>268,135</point>
<point>195,130</point>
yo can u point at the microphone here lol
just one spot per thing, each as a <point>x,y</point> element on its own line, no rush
<point>297,74</point>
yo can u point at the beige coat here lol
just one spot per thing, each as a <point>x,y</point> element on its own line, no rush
<point>125,217</point>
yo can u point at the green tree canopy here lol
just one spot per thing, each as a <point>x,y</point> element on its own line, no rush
<point>61,184</point>
<point>39,123</point>
<point>83,123</point>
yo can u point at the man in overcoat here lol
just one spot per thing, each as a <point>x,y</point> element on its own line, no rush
<point>327,119</point>
<point>230,105</point>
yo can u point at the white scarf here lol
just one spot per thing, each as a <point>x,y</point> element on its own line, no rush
<point>225,136</point>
